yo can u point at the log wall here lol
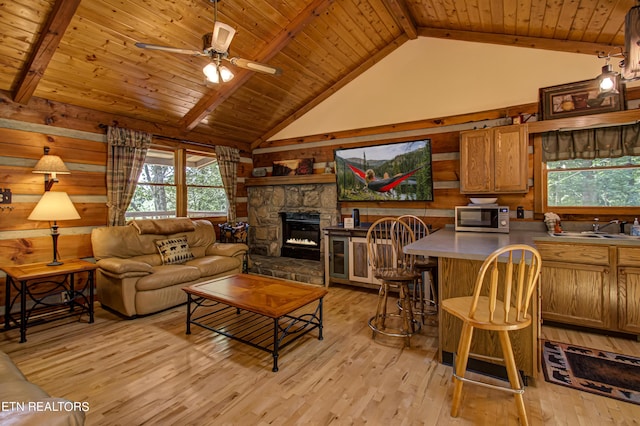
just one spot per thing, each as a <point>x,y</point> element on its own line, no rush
<point>75,135</point>
<point>445,146</point>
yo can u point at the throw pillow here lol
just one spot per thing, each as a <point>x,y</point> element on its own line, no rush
<point>174,250</point>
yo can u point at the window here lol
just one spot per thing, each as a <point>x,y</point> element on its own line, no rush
<point>601,182</point>
<point>158,188</point>
<point>205,191</point>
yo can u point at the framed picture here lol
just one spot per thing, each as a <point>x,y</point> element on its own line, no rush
<point>399,171</point>
<point>301,166</point>
<point>579,98</point>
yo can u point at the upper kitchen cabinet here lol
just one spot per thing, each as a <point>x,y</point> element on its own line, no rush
<point>494,160</point>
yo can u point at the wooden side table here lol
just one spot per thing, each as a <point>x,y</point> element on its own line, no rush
<point>40,285</point>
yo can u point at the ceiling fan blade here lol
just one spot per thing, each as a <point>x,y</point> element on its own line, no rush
<point>171,49</point>
<point>222,36</point>
<point>255,66</point>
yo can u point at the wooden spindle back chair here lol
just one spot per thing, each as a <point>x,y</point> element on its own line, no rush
<point>394,269</point>
<point>501,302</point>
<point>427,267</point>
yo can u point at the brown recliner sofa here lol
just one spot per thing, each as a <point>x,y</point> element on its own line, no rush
<point>26,404</point>
<point>143,266</point>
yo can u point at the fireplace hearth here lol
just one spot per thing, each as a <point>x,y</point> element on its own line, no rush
<point>300,235</point>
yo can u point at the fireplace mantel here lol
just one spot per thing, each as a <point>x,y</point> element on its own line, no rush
<point>291,180</point>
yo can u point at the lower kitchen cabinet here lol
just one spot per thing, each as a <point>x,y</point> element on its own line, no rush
<point>629,289</point>
<point>575,293</point>
<point>591,285</point>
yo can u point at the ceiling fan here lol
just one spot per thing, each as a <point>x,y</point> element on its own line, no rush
<point>216,47</point>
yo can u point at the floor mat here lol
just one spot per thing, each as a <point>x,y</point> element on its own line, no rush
<point>591,370</point>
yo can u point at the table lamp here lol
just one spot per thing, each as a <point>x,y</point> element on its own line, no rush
<point>54,206</point>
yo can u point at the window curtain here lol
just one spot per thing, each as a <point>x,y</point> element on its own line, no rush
<point>605,142</point>
<point>228,159</point>
<point>127,150</point>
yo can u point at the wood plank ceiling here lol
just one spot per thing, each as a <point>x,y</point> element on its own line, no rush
<point>82,52</point>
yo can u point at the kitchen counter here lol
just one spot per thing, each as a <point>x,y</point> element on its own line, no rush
<point>460,256</point>
<point>624,240</point>
<point>471,245</point>
<point>478,245</point>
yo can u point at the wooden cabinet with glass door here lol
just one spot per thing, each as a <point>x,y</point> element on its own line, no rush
<point>346,259</point>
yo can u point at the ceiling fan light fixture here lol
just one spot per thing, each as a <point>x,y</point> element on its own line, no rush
<point>211,72</point>
<point>225,73</point>
<point>222,36</point>
<point>217,73</point>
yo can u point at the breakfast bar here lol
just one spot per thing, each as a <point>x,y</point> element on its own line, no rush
<point>460,256</point>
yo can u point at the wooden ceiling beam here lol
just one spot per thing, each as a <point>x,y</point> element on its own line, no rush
<point>46,45</point>
<point>211,100</point>
<point>520,41</point>
<point>401,13</point>
<point>371,61</point>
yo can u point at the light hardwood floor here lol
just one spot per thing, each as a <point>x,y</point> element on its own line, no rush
<point>148,371</point>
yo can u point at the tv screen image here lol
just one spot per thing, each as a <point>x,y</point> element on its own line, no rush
<point>390,172</point>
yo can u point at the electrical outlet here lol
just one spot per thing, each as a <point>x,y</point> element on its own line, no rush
<point>5,196</point>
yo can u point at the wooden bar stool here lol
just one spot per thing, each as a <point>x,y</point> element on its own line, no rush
<point>385,241</point>
<point>427,267</point>
<point>500,303</point>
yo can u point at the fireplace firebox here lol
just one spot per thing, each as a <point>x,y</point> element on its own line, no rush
<point>300,235</point>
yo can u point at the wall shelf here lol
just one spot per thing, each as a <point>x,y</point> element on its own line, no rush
<point>292,180</point>
<point>584,121</point>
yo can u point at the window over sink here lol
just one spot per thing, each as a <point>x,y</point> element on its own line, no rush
<point>598,182</point>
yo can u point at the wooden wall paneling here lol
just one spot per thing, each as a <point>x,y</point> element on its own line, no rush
<point>61,115</point>
<point>40,249</point>
<point>91,214</point>
<point>20,148</point>
<point>445,147</point>
<point>21,180</point>
<point>445,170</point>
<point>88,183</point>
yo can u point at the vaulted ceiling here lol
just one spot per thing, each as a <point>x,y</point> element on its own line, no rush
<point>82,52</point>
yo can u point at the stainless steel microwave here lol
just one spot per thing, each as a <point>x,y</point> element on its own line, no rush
<point>482,218</point>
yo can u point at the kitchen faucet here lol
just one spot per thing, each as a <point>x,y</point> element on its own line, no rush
<point>596,224</point>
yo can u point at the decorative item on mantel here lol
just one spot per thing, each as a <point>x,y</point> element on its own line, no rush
<point>259,172</point>
<point>553,222</point>
<point>328,168</point>
<point>300,166</point>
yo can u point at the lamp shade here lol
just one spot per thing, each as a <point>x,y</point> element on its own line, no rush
<point>225,73</point>
<point>211,72</point>
<point>54,206</point>
<point>51,164</point>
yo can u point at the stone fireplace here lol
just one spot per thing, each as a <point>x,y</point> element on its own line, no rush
<point>267,204</point>
<point>301,235</point>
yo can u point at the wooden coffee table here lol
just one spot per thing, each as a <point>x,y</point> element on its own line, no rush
<point>263,312</point>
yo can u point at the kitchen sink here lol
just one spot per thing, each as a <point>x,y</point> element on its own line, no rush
<point>591,234</point>
<point>620,237</point>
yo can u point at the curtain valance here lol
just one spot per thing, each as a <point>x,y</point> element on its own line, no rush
<point>604,142</point>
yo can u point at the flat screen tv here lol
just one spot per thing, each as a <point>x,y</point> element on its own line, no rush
<point>390,172</point>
